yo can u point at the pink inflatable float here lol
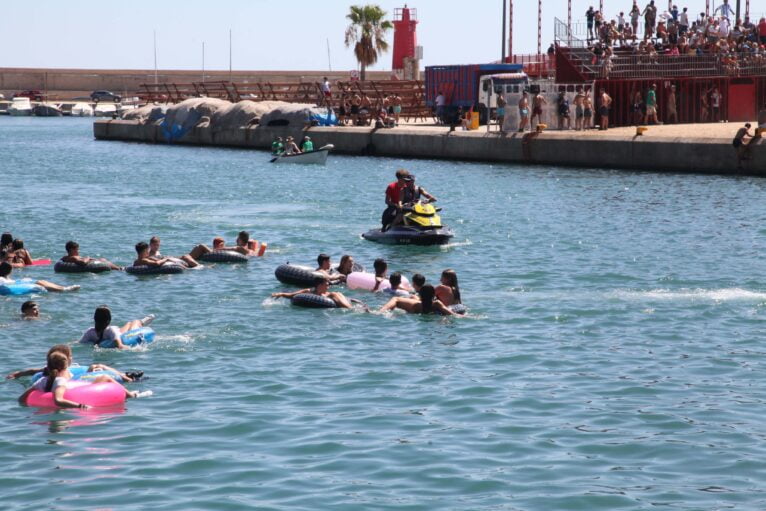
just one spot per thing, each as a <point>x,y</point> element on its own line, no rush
<point>91,394</point>
<point>366,281</point>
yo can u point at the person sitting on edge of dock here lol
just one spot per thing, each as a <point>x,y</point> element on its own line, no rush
<point>73,256</point>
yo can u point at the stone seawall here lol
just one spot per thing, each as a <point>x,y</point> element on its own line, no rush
<point>616,149</point>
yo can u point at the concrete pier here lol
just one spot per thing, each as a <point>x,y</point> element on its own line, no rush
<point>678,148</point>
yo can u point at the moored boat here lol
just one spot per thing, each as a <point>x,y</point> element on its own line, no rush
<point>20,107</point>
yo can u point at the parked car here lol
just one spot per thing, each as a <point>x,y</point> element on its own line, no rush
<point>34,95</point>
<point>105,95</point>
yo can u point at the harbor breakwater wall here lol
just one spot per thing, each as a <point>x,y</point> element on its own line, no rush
<point>607,150</point>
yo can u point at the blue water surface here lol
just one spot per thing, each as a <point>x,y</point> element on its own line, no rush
<point>613,357</point>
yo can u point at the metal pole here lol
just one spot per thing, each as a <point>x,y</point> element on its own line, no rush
<point>502,39</point>
<point>747,7</point>
<point>569,22</point>
<point>203,61</point>
<point>229,54</point>
<point>155,57</point>
<point>539,27</point>
<point>707,8</point>
<point>510,29</point>
<point>738,11</point>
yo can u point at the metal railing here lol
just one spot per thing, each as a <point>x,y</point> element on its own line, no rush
<point>667,66</point>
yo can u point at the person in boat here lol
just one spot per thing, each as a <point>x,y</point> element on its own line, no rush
<point>66,350</point>
<point>291,147</point>
<point>154,253</point>
<point>346,265</point>
<point>277,146</point>
<point>394,206</point>
<point>307,145</point>
<point>101,331</point>
<point>448,290</point>
<point>73,256</point>
<point>427,304</point>
<point>412,193</point>
<point>5,278</point>
<point>30,310</point>
<point>321,288</point>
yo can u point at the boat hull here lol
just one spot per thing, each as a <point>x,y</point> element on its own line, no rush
<point>318,157</point>
<point>402,235</point>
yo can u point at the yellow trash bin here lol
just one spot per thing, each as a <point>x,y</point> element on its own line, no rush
<point>474,120</point>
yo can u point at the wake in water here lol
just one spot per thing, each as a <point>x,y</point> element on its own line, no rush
<point>666,295</point>
<point>466,243</point>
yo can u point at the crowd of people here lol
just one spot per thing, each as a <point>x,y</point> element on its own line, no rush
<point>358,109</point>
<point>736,43</point>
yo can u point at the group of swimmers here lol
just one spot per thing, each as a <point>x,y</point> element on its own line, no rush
<point>418,298</point>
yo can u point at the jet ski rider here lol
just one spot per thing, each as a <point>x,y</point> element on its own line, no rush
<point>393,210</point>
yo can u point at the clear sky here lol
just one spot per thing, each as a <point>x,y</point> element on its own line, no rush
<point>267,34</point>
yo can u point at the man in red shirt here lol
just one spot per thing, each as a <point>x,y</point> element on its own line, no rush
<point>394,200</point>
<point>762,30</point>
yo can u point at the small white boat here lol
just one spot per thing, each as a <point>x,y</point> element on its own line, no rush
<point>318,157</point>
<point>82,110</point>
<point>105,110</point>
<point>20,107</point>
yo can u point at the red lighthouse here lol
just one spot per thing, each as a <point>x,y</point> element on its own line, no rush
<point>405,41</point>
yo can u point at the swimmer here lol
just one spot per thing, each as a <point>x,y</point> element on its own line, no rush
<point>243,240</point>
<point>428,304</point>
<point>184,260</point>
<point>55,381</point>
<point>7,257</point>
<point>67,351</point>
<point>324,266</point>
<point>396,280</point>
<point>20,254</point>
<point>73,256</point>
<point>218,243</point>
<point>321,288</point>
<point>5,272</point>
<point>144,259</point>
<point>448,291</point>
<point>381,268</point>
<point>346,265</point>
<point>418,281</point>
<point>6,241</point>
<point>103,332</point>
<point>30,310</point>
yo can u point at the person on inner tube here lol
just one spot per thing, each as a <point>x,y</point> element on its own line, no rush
<point>412,192</point>
<point>426,304</point>
<point>73,256</point>
<point>321,288</point>
<point>393,209</point>
<point>324,266</point>
<point>243,238</point>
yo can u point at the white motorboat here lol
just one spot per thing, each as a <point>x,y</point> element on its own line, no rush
<point>82,110</point>
<point>105,110</point>
<point>318,157</point>
<point>20,107</point>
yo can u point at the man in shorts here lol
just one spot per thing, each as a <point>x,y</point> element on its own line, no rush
<point>579,101</point>
<point>537,108</point>
<point>603,109</point>
<point>523,111</point>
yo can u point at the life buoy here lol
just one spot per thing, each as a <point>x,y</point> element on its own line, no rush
<point>224,256</point>
<point>165,269</point>
<point>312,301</point>
<point>91,267</point>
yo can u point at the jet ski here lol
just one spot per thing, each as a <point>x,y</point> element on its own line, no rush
<point>422,226</point>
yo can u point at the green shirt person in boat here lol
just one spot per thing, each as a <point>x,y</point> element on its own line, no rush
<point>307,145</point>
<point>277,146</point>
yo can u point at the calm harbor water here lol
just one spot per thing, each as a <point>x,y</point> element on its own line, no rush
<point>613,357</point>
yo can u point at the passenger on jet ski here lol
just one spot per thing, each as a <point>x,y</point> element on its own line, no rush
<point>412,193</point>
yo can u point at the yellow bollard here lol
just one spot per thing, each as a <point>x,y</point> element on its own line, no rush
<point>640,130</point>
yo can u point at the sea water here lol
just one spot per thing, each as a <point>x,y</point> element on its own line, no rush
<point>613,356</point>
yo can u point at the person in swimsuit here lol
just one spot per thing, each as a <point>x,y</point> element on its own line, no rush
<point>103,332</point>
<point>321,288</point>
<point>739,144</point>
<point>5,278</point>
<point>66,350</point>
<point>20,255</point>
<point>346,265</point>
<point>579,99</point>
<point>427,304</point>
<point>154,253</point>
<point>448,291</point>
<point>537,108</point>
<point>73,256</point>
<point>242,245</point>
<point>523,111</point>
<point>603,110</point>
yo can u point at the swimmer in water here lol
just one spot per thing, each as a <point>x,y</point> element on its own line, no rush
<point>321,288</point>
<point>20,255</point>
<point>243,240</point>
<point>324,266</point>
<point>381,268</point>
<point>73,256</point>
<point>418,281</point>
<point>448,291</point>
<point>103,332</point>
<point>184,260</point>
<point>67,351</point>
<point>5,273</point>
<point>395,290</point>
<point>346,265</point>
<point>428,304</point>
<point>30,310</point>
<point>57,369</point>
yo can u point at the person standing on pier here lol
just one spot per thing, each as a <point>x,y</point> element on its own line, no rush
<point>537,109</point>
<point>651,105</point>
<point>650,18</point>
<point>672,115</point>
<point>523,111</point>
<point>590,16</point>
<point>603,110</point>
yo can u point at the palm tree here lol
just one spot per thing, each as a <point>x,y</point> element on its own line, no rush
<point>367,33</point>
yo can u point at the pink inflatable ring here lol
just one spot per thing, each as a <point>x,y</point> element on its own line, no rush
<point>91,394</point>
